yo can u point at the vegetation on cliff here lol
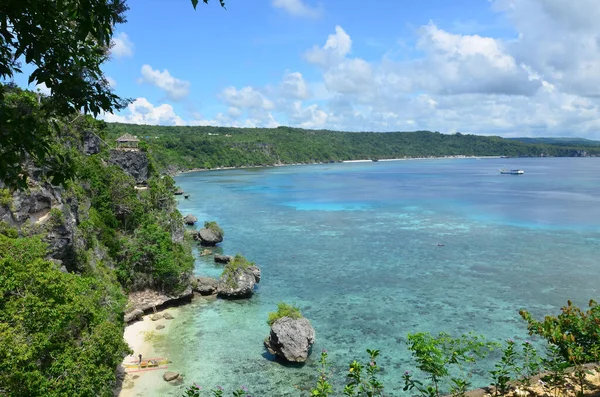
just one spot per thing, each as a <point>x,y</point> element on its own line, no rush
<point>183,148</point>
<point>68,256</point>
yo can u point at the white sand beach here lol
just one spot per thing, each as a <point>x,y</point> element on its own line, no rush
<point>140,336</point>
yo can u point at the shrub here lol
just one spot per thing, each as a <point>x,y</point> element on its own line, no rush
<point>284,310</point>
<point>231,269</point>
<point>214,226</point>
<point>5,197</point>
<point>574,333</point>
<point>7,230</point>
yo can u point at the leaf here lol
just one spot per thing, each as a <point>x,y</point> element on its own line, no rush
<point>194,3</point>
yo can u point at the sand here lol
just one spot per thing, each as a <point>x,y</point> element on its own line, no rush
<point>140,336</point>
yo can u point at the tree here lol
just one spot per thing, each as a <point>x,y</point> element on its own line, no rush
<point>65,42</point>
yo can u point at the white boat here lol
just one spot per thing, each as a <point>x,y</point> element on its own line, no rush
<point>511,172</point>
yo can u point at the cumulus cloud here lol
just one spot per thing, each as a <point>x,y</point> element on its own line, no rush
<point>246,98</point>
<point>336,47</point>
<point>121,46</point>
<point>298,8</point>
<point>558,40</point>
<point>141,111</point>
<point>293,86</point>
<point>174,88</point>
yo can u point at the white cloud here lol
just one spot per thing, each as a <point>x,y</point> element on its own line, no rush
<point>246,98</point>
<point>336,47</point>
<point>307,117</point>
<point>121,46</point>
<point>175,88</point>
<point>558,40</point>
<point>141,111</point>
<point>293,86</point>
<point>298,8</point>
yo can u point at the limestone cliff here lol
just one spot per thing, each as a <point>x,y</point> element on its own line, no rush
<point>134,162</point>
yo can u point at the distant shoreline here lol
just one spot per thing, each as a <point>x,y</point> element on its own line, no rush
<point>336,162</point>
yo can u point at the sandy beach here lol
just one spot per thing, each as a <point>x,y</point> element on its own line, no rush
<point>140,336</point>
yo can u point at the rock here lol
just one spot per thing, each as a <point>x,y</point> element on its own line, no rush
<point>170,375</point>
<point>190,219</point>
<point>255,271</point>
<point>134,315</point>
<point>223,258</point>
<point>239,285</point>
<point>91,143</point>
<point>133,162</point>
<point>206,252</point>
<point>291,339</point>
<point>156,316</point>
<point>168,316</point>
<point>148,300</point>
<point>160,326</point>
<point>178,192</point>
<point>209,237</point>
<point>206,286</point>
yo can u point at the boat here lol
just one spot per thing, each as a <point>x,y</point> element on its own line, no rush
<point>149,364</point>
<point>511,172</point>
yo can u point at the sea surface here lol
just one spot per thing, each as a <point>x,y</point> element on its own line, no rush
<point>373,251</point>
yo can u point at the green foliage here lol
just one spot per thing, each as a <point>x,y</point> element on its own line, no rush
<point>60,334</point>
<point>57,217</point>
<point>239,263</point>
<point>368,386</point>
<point>183,148</point>
<point>284,310</point>
<point>505,369</point>
<point>436,355</point>
<point>214,226</point>
<point>5,198</point>
<point>196,391</point>
<point>7,230</point>
<point>195,3</point>
<point>22,250</point>
<point>575,334</point>
<point>323,388</point>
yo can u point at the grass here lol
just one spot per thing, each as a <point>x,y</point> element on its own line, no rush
<point>284,310</point>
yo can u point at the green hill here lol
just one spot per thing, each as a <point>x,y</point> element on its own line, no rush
<point>181,148</point>
<point>560,141</point>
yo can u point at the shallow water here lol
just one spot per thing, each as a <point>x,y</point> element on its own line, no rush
<point>373,251</point>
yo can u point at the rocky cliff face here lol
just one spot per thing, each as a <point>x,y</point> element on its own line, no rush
<point>133,162</point>
<point>46,208</point>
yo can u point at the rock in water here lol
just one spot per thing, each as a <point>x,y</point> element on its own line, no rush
<point>209,237</point>
<point>240,285</point>
<point>206,286</point>
<point>170,376</point>
<point>223,258</point>
<point>291,339</point>
<point>190,219</point>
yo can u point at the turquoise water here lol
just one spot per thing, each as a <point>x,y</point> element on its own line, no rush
<point>373,251</point>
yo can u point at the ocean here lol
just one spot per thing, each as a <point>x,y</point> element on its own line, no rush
<point>373,251</point>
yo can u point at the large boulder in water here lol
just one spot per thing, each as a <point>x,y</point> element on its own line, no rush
<point>223,258</point>
<point>291,339</point>
<point>236,285</point>
<point>209,237</point>
<point>190,219</point>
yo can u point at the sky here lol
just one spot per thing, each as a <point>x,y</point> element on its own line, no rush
<point>489,67</point>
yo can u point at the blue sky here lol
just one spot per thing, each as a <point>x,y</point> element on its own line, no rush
<point>502,67</point>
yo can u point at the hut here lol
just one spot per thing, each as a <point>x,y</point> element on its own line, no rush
<point>127,141</point>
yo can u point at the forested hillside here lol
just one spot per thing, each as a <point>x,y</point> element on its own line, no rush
<point>560,141</point>
<point>181,148</point>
